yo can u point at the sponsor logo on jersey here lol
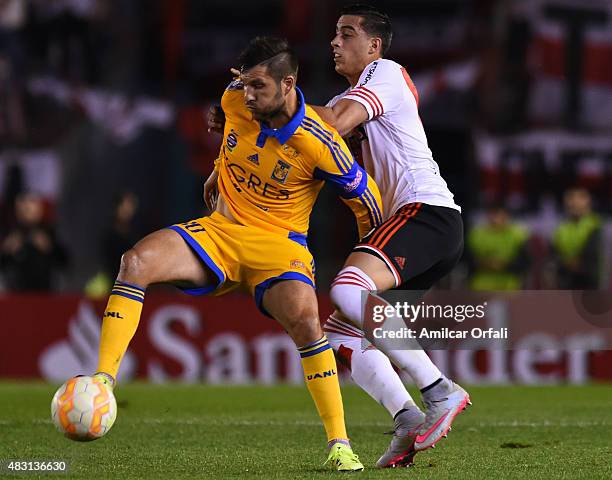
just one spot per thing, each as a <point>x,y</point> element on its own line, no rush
<point>368,76</point>
<point>254,158</point>
<point>290,152</point>
<point>328,373</point>
<point>281,171</point>
<point>241,179</point>
<point>349,187</point>
<point>232,140</point>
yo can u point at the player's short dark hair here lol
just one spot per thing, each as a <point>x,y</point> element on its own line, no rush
<point>272,52</point>
<point>374,23</point>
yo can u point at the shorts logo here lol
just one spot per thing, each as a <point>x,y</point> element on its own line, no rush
<point>297,264</point>
<point>253,159</point>
<point>281,171</point>
<point>401,261</point>
<point>232,140</point>
<point>349,187</point>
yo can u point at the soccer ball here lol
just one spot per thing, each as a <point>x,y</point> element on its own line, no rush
<point>84,409</point>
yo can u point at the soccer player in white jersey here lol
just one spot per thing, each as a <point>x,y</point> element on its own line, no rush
<point>419,243</point>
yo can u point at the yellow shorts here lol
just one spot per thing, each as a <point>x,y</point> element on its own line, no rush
<point>245,255</point>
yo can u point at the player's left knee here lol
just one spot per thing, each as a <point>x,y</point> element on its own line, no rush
<point>302,323</point>
<point>131,265</point>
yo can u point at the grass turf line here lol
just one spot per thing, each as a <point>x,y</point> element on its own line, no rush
<point>176,431</point>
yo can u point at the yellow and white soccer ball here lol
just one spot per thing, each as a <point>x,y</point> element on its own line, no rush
<point>84,408</point>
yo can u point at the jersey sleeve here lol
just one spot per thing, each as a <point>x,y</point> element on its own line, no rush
<point>232,101</point>
<point>379,88</point>
<point>355,187</point>
<point>232,104</point>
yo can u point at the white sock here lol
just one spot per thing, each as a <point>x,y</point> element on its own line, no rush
<point>346,293</point>
<point>417,364</point>
<point>370,368</point>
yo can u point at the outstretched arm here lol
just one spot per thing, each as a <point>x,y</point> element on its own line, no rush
<point>344,116</point>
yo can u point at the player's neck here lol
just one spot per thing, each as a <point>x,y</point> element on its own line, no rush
<point>285,114</point>
<point>353,78</point>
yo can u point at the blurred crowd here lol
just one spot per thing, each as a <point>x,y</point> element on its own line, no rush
<point>502,254</point>
<point>103,136</point>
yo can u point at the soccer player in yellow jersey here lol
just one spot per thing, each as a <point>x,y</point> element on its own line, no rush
<point>276,155</point>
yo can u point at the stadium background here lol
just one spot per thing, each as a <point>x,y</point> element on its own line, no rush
<point>99,98</point>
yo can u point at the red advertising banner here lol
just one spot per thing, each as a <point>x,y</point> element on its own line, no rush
<point>227,340</point>
<point>179,337</point>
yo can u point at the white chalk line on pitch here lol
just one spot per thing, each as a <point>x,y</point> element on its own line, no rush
<point>310,423</point>
<point>259,423</point>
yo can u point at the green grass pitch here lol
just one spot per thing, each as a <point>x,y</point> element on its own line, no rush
<point>176,431</point>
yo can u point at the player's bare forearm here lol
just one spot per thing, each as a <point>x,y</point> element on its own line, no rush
<point>344,116</point>
<point>211,191</point>
<point>326,113</point>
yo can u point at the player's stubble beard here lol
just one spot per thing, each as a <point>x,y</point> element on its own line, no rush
<point>274,111</point>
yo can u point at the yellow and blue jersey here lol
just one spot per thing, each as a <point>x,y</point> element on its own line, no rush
<point>270,178</point>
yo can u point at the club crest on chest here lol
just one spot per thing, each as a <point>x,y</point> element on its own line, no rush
<point>281,171</point>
